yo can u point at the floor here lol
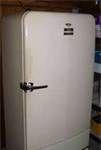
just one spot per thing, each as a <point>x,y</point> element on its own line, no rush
<point>94,145</point>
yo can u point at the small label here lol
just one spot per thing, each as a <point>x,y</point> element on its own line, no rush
<point>68,30</point>
<point>65,33</point>
<point>68,24</point>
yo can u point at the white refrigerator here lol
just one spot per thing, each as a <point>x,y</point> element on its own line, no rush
<point>47,80</point>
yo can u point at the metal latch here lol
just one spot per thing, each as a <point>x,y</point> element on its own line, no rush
<point>29,86</point>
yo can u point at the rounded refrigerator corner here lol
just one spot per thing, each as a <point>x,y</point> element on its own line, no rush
<point>92,18</point>
<point>24,15</point>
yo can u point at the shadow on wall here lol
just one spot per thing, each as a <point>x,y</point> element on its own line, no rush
<point>2,124</point>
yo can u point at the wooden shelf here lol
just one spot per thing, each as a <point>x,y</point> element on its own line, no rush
<point>12,6</point>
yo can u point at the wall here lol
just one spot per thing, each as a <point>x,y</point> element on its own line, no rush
<point>0,79</point>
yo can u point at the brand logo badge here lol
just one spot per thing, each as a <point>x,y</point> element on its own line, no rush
<point>68,30</point>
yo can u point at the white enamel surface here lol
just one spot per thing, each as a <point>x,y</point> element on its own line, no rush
<point>78,142</point>
<point>65,64</point>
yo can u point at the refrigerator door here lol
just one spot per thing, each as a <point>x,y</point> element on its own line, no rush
<point>59,50</point>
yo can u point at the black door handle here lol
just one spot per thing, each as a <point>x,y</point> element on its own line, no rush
<point>29,86</point>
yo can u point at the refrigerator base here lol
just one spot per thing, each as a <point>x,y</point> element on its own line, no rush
<point>79,142</point>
